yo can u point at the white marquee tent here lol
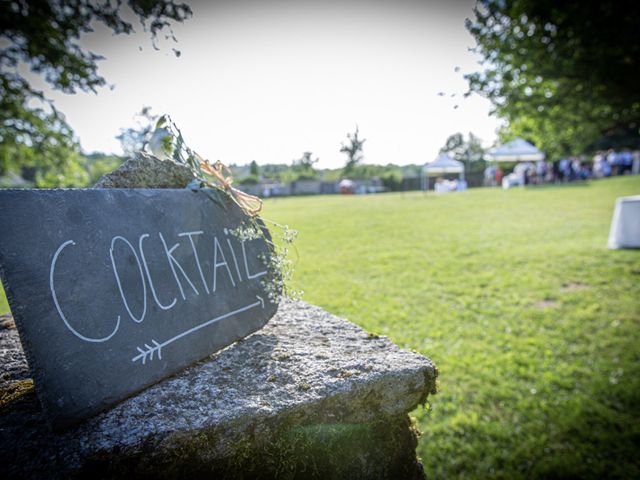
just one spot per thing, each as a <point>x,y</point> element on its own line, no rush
<point>443,164</point>
<point>517,150</point>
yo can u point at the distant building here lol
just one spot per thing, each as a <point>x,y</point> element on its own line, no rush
<point>306,187</point>
<point>373,185</point>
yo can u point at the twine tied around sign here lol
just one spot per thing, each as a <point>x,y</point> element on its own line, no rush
<point>250,204</point>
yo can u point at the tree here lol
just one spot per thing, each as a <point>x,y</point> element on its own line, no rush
<point>353,150</point>
<point>253,168</point>
<point>454,146</point>
<point>38,145</point>
<point>133,139</point>
<point>42,35</point>
<point>563,74</point>
<point>304,167</point>
<point>475,150</point>
<point>465,150</point>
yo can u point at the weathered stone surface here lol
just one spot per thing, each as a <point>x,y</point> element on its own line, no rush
<point>307,381</point>
<point>147,171</point>
<point>14,363</point>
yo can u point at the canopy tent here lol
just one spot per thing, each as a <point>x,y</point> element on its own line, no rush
<point>443,164</point>
<point>517,150</point>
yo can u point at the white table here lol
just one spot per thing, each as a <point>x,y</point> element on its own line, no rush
<point>625,225</point>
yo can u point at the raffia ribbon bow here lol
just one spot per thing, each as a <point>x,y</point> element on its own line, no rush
<point>249,203</point>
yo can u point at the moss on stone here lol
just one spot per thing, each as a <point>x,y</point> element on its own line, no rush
<point>15,391</point>
<point>381,449</point>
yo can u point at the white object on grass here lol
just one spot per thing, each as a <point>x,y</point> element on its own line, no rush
<point>625,225</point>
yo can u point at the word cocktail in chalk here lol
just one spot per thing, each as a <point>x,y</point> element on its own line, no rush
<point>113,290</point>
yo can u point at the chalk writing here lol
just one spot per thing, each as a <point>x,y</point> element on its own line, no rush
<point>114,290</point>
<point>157,348</point>
<point>146,279</point>
<point>57,305</point>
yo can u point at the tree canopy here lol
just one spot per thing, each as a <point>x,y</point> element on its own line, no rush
<point>43,36</point>
<point>304,168</point>
<point>564,74</point>
<point>353,150</point>
<point>465,150</point>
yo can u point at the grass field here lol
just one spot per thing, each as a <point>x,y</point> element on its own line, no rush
<point>532,322</point>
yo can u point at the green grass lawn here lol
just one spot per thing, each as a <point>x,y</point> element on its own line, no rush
<point>532,322</point>
<point>4,306</point>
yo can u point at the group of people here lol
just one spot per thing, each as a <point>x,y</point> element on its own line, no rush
<point>610,163</point>
<point>443,185</point>
<point>569,169</point>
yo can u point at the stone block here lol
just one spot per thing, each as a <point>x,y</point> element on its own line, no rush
<point>147,171</point>
<point>309,396</point>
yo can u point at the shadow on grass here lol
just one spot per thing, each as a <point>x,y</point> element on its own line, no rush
<point>595,437</point>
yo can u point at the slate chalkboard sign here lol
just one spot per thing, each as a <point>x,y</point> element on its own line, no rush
<point>113,290</point>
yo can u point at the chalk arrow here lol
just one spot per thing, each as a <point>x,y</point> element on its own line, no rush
<point>157,347</point>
